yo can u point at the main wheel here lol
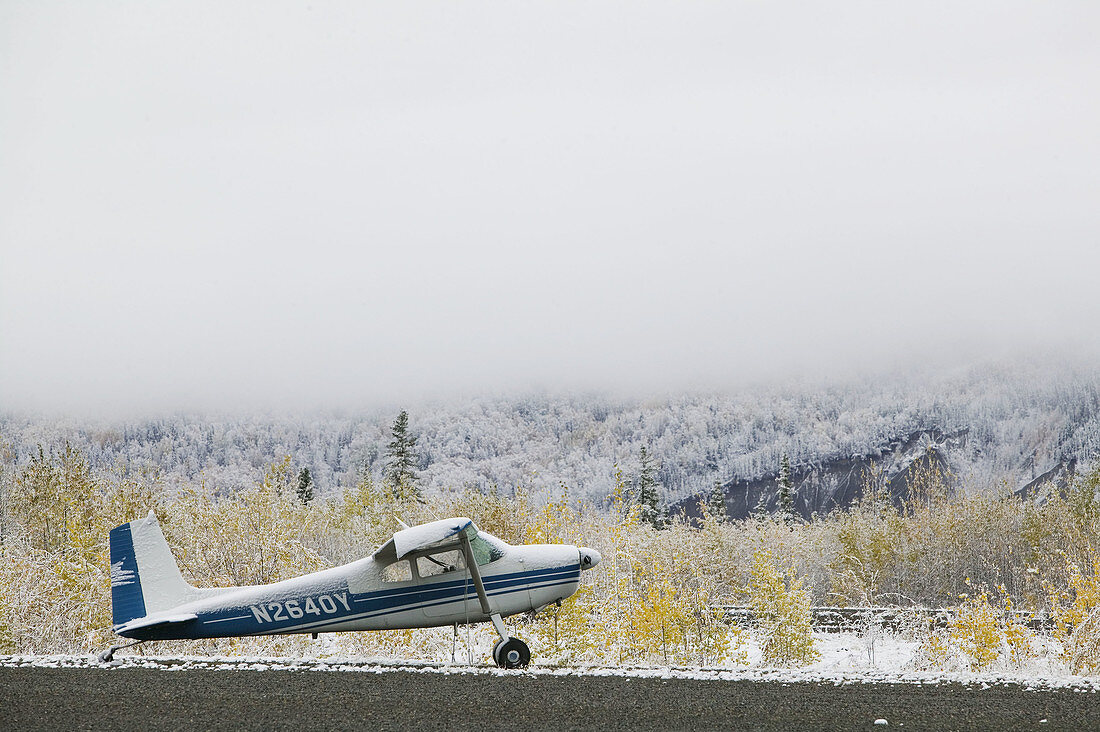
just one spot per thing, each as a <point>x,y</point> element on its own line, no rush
<point>512,653</point>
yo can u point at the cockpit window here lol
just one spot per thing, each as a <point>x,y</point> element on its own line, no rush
<point>486,548</point>
<point>440,563</point>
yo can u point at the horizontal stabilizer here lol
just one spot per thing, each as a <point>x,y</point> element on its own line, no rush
<point>151,620</point>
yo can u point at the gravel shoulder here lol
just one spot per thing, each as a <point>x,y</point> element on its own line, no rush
<point>152,698</point>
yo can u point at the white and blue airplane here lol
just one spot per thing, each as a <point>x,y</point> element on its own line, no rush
<point>440,573</point>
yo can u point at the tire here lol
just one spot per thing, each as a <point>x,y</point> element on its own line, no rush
<point>496,653</point>
<point>513,653</point>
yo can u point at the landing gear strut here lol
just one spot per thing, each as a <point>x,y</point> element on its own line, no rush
<point>508,652</point>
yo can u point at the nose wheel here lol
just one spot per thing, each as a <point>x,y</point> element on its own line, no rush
<point>511,653</point>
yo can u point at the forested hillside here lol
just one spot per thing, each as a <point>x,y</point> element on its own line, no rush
<point>1018,421</point>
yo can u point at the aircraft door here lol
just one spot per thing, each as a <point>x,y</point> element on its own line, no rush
<point>445,582</point>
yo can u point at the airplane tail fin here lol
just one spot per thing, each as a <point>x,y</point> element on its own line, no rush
<point>145,578</point>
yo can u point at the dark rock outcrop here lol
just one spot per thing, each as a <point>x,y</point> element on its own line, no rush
<point>898,469</point>
<point>1057,478</point>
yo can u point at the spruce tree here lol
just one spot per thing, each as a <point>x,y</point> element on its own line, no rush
<point>305,486</point>
<point>785,500</point>
<point>716,502</point>
<point>647,490</point>
<point>400,470</point>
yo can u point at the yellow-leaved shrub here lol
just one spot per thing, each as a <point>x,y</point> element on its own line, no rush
<point>1075,608</point>
<point>976,631</point>
<point>981,631</point>
<point>781,607</point>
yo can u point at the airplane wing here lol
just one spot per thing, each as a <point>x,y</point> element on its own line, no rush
<point>425,536</point>
<point>150,620</point>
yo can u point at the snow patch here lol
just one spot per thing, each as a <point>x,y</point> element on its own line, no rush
<point>381,666</point>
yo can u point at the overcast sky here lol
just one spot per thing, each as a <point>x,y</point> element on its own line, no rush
<point>340,203</point>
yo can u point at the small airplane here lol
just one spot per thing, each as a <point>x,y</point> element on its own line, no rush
<point>439,573</point>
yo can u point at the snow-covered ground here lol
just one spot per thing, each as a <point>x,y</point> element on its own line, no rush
<point>846,658</point>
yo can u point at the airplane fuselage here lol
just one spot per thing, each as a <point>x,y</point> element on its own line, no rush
<point>366,595</point>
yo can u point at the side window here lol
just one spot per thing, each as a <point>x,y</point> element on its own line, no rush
<point>440,563</point>
<point>397,572</point>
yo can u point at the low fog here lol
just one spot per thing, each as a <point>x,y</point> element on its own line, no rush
<point>340,204</point>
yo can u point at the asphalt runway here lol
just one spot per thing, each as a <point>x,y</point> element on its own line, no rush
<point>34,698</point>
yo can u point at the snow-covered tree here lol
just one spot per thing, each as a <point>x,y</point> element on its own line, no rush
<point>716,501</point>
<point>305,486</point>
<point>647,490</point>
<point>784,509</point>
<point>401,460</point>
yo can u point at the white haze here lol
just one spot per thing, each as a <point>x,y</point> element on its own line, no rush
<point>290,204</point>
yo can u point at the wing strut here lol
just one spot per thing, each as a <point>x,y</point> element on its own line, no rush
<point>475,573</point>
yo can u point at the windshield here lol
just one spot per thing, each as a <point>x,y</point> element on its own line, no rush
<point>487,548</point>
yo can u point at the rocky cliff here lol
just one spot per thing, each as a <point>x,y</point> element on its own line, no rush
<point>899,468</point>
